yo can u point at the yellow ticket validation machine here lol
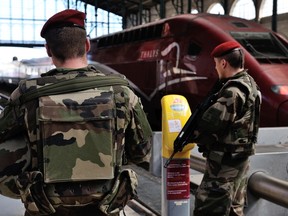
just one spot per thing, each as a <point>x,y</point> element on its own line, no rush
<point>176,176</point>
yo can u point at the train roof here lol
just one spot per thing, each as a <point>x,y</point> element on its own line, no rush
<point>211,22</point>
<point>226,22</point>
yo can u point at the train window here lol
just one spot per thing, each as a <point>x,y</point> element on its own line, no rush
<point>261,44</point>
<point>135,35</point>
<point>240,24</point>
<point>193,49</point>
<point>154,31</point>
<point>138,34</point>
<point>158,30</point>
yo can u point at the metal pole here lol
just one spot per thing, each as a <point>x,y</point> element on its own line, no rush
<point>124,15</point>
<point>274,16</point>
<point>269,188</point>
<point>225,6</point>
<point>197,163</point>
<point>189,8</point>
<point>260,184</point>
<point>96,16</point>
<point>140,8</point>
<point>162,9</point>
<point>176,176</point>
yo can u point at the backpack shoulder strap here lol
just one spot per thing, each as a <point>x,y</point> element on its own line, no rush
<point>72,85</point>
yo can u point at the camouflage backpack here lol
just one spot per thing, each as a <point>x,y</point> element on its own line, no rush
<point>73,146</point>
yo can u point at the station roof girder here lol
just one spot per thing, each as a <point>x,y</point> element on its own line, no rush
<point>124,7</point>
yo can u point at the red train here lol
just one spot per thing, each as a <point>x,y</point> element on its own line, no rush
<point>172,56</point>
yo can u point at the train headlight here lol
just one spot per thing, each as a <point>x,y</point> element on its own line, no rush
<point>280,89</point>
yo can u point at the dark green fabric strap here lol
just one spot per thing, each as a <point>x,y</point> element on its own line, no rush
<point>72,85</point>
<point>13,115</point>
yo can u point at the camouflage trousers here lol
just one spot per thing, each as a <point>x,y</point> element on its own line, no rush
<point>222,191</point>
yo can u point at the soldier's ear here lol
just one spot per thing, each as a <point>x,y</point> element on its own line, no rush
<point>223,63</point>
<point>87,44</point>
<point>48,51</point>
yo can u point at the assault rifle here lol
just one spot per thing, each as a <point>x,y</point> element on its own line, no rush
<point>185,136</point>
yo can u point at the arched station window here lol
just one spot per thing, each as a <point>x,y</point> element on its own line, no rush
<point>266,8</point>
<point>216,8</point>
<point>243,9</point>
<point>194,11</point>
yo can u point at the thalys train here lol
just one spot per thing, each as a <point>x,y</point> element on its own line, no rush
<point>172,56</point>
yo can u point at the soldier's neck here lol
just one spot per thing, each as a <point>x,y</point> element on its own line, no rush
<point>71,63</point>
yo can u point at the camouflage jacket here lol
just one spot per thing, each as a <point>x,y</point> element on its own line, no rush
<point>231,123</point>
<point>130,131</point>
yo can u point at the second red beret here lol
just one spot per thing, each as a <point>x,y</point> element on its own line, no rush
<point>224,48</point>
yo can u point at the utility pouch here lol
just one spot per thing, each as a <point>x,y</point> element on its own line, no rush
<point>124,189</point>
<point>76,133</point>
<point>14,159</point>
<point>30,185</point>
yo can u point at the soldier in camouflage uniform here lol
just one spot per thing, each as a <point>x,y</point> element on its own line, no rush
<point>226,134</point>
<point>80,127</point>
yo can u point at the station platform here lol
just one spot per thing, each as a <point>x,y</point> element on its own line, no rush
<point>271,159</point>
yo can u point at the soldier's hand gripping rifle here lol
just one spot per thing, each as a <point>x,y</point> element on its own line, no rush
<point>185,136</point>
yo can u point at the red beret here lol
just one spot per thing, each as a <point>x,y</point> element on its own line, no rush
<point>64,18</point>
<point>224,48</point>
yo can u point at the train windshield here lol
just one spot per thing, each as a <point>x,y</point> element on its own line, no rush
<point>261,44</point>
